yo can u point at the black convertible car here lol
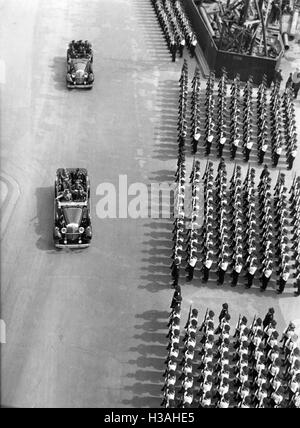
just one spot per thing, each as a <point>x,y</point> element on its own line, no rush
<point>72,206</point>
<point>80,66</point>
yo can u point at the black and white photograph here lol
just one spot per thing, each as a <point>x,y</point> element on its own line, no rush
<point>150,206</point>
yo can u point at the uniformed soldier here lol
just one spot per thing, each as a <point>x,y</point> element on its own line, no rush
<point>171,366</point>
<point>196,139</point>
<point>277,398</point>
<point>273,355</point>
<point>241,325</point>
<point>190,341</point>
<point>290,345</point>
<point>223,265</point>
<point>205,400</point>
<point>263,148</point>
<point>224,312</point>
<point>206,358</point>
<point>224,373</point>
<point>261,394</point>
<point>209,317</point>
<point>269,317</point>
<point>206,375</point>
<point>173,49</point>
<point>295,401</point>
<point>297,285</point>
<point>267,273</point>
<point>288,333</point>
<point>225,334</point>
<point>207,266</point>
<point>175,267</point>
<point>293,387</point>
<point>291,358</point>
<point>260,379</point>
<point>222,389</point>
<point>206,383</point>
<point>193,316</point>
<point>189,354</point>
<point>174,325</point>
<point>242,377</point>
<point>187,383</point>
<point>284,276</point>
<point>292,153</point>
<point>174,338</point>
<point>193,45</point>
<point>170,380</point>
<point>248,148</point>
<point>169,395</point>
<point>277,154</point>
<point>224,402</point>
<point>173,352</point>
<point>177,298</point>
<point>251,271</point>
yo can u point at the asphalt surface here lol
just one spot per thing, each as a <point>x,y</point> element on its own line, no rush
<point>87,328</point>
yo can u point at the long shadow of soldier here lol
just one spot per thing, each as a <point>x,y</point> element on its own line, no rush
<point>150,360</point>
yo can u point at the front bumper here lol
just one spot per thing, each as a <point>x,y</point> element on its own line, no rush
<point>74,86</point>
<point>74,246</point>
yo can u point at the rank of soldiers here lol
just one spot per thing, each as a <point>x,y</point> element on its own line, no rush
<point>245,231</point>
<point>176,27</point>
<point>243,120</point>
<point>210,366</point>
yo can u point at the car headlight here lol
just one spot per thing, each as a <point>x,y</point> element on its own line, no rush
<point>63,230</point>
<point>57,233</point>
<point>86,75</point>
<point>73,75</point>
<point>81,230</point>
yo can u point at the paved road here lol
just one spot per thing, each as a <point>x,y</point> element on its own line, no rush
<point>72,318</point>
<point>86,328</point>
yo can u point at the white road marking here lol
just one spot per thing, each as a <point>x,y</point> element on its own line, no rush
<point>13,197</point>
<point>2,332</point>
<point>2,72</point>
<point>3,191</point>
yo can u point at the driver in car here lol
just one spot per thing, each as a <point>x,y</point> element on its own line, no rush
<point>79,175</point>
<point>66,195</point>
<point>65,179</point>
<point>88,47</point>
<point>78,190</point>
<point>72,49</point>
<point>80,47</point>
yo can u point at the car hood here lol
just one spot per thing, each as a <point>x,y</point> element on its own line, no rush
<point>79,65</point>
<point>72,215</point>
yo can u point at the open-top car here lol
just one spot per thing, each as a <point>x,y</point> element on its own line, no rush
<point>72,207</point>
<point>79,63</point>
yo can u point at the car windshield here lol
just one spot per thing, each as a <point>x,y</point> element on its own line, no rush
<point>79,64</point>
<point>72,215</point>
